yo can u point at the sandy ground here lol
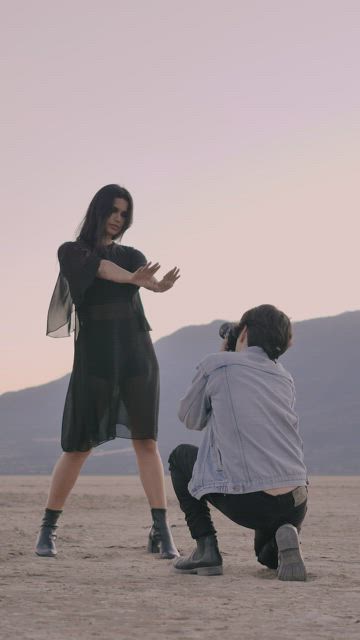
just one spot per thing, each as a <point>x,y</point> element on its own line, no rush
<point>104,585</point>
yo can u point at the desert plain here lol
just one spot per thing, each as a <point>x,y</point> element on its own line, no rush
<point>103,585</point>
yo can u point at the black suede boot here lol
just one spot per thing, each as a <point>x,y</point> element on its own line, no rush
<point>160,538</point>
<point>205,560</point>
<point>268,555</point>
<point>45,544</point>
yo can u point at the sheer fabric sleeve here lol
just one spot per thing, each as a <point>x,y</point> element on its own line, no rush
<point>78,268</point>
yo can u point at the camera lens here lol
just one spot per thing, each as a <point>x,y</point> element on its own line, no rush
<point>224,329</point>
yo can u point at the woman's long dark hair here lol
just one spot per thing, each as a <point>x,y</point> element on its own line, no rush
<point>91,230</point>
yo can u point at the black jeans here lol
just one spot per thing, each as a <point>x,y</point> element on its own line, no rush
<point>258,510</point>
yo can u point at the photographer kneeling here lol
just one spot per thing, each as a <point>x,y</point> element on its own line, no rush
<point>250,462</point>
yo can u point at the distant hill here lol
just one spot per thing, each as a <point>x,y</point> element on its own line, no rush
<point>325,362</point>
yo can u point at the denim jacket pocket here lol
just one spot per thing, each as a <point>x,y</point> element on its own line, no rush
<point>216,454</point>
<point>218,459</point>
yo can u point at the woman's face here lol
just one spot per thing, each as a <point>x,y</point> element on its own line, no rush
<point>116,220</point>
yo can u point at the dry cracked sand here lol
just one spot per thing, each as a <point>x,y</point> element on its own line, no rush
<point>103,584</point>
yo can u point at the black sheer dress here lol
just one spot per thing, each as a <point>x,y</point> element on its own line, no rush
<point>114,386</point>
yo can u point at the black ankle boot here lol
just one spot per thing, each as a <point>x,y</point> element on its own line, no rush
<point>45,544</point>
<point>160,538</point>
<point>268,555</point>
<point>205,560</point>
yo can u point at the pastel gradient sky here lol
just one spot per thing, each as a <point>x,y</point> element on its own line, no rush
<point>235,125</point>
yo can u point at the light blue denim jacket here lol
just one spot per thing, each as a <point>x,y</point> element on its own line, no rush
<point>252,439</point>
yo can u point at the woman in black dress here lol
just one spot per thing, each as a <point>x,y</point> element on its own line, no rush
<point>114,386</point>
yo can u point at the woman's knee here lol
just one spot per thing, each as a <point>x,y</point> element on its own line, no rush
<point>145,446</point>
<point>76,456</point>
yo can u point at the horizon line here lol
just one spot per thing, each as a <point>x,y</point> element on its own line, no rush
<point>43,384</point>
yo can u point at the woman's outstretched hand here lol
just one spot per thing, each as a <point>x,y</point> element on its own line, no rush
<point>144,276</point>
<point>168,280</point>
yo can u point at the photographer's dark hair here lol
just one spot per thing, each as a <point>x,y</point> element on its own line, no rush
<point>268,328</point>
<point>91,230</point>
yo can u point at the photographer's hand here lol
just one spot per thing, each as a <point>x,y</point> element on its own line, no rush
<point>224,345</point>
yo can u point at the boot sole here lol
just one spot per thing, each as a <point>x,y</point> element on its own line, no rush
<point>202,571</point>
<point>291,564</point>
<point>45,555</point>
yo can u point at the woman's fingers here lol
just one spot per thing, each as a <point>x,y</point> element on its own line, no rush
<point>152,267</point>
<point>169,279</point>
<point>142,277</point>
<point>144,273</point>
<point>149,268</point>
<point>173,273</point>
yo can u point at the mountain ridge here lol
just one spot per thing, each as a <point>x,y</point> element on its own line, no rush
<point>324,361</point>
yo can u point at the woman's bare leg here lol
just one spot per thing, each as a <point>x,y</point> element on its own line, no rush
<point>151,472</point>
<point>64,476</point>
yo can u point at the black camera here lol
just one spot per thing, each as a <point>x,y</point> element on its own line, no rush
<point>229,331</point>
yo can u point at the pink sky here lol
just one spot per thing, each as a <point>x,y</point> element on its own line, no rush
<point>235,125</point>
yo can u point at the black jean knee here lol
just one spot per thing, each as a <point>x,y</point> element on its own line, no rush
<point>197,513</point>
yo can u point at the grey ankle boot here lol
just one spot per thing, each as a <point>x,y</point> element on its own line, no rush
<point>160,538</point>
<point>45,544</point>
<point>291,564</point>
<point>205,560</point>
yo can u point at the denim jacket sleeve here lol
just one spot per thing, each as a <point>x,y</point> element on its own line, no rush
<point>195,406</point>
